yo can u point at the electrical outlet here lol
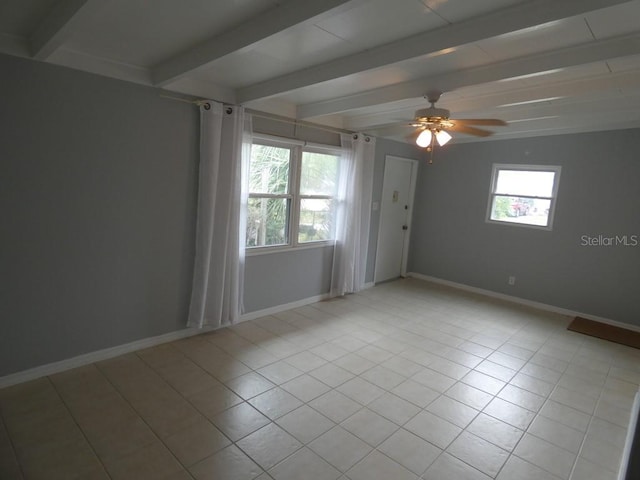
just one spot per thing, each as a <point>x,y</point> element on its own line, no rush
<point>512,280</point>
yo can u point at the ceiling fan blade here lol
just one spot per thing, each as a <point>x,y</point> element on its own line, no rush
<point>478,132</point>
<point>479,121</point>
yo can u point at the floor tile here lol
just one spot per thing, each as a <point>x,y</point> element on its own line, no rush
<point>354,363</point>
<point>375,354</point>
<point>340,448</point>
<point>566,415</point>
<point>279,372</point>
<point>433,429</point>
<point>449,467</point>
<point>469,395</point>
<point>304,464</point>
<point>483,382</point>
<point>275,402</point>
<point>331,375</point>
<point>196,443</point>
<point>509,413</point>
<point>449,368</point>
<point>545,455</point>
<point>453,411</point>
<point>410,451</point>
<point>604,454</point>
<point>434,380</point>
<point>305,423</point>
<point>186,377</point>
<point>229,463</point>
<point>269,445</point>
<point>586,470</point>
<point>390,364</point>
<point>305,361</point>
<point>369,426</point>
<point>402,366</point>
<point>329,351</point>
<point>416,393</point>
<point>114,440</point>
<point>478,453</point>
<point>305,388</point>
<point>377,466</point>
<point>249,385</point>
<point>360,390</point>
<point>152,461</point>
<point>394,408</point>
<point>517,469</point>
<point>607,432</point>
<point>532,384</point>
<point>383,377</point>
<point>557,434</point>
<point>239,421</point>
<point>521,397</point>
<point>349,342</point>
<point>496,371</point>
<point>335,406</point>
<point>495,431</point>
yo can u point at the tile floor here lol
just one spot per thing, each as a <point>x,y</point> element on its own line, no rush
<point>405,380</point>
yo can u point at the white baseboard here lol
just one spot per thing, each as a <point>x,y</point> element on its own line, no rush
<point>523,301</point>
<point>98,355</point>
<point>281,308</point>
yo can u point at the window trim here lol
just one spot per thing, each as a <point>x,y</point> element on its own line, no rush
<point>297,148</point>
<point>556,169</point>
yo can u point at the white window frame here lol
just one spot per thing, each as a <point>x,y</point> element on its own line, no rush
<point>297,148</point>
<point>497,167</point>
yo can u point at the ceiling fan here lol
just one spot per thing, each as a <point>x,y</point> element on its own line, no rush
<point>433,125</point>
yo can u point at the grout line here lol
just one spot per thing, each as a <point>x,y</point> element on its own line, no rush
<point>12,445</point>
<point>84,435</point>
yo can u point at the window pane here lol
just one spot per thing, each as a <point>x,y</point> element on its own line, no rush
<point>528,211</point>
<point>267,221</point>
<point>269,169</point>
<point>525,182</point>
<point>319,175</point>
<point>316,220</point>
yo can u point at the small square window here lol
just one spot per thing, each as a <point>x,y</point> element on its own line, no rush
<point>523,195</point>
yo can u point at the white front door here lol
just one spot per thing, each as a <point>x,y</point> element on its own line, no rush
<point>395,217</point>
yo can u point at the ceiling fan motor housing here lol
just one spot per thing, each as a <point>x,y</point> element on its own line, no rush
<point>432,113</point>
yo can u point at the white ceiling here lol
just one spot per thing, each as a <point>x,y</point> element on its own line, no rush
<point>544,66</point>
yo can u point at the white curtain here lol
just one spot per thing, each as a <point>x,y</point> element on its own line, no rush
<point>225,143</point>
<point>353,214</point>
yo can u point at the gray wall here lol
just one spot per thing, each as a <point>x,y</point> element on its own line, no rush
<point>599,194</point>
<point>275,279</point>
<point>98,187</point>
<point>98,183</point>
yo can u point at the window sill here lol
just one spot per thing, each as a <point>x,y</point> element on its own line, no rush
<point>255,251</point>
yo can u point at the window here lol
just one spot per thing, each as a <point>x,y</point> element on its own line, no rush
<point>292,191</point>
<point>523,195</point>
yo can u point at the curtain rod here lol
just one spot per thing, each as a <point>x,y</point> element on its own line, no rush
<point>268,116</point>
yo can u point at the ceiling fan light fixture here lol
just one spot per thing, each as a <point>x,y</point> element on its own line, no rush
<point>442,137</point>
<point>424,139</point>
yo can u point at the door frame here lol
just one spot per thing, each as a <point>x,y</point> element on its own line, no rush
<point>412,191</point>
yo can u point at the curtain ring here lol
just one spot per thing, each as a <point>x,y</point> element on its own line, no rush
<point>355,136</point>
<point>367,139</point>
<point>229,110</point>
<point>207,106</point>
